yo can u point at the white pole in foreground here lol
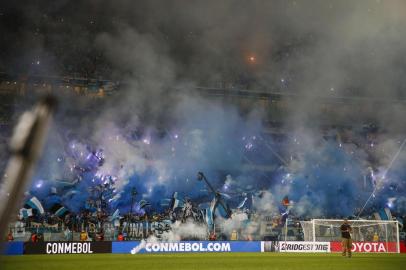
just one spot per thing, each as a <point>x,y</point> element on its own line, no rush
<point>386,235</point>
<point>25,147</point>
<point>314,231</point>
<point>397,237</point>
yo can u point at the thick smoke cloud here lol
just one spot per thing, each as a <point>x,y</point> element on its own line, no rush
<point>156,138</point>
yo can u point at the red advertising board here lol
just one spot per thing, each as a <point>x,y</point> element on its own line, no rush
<point>368,247</point>
<point>403,247</point>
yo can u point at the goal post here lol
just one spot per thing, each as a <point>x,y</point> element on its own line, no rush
<point>367,235</point>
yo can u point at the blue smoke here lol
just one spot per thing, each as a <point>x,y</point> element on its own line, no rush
<point>322,177</point>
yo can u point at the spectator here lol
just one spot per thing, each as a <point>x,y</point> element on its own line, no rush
<point>40,237</point>
<point>68,234</point>
<point>83,236</point>
<point>10,237</point>
<point>212,236</point>
<point>234,235</point>
<point>120,237</point>
<point>34,237</point>
<point>376,237</point>
<point>100,236</point>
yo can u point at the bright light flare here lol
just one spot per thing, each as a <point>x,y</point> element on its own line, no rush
<point>390,205</point>
<point>146,141</point>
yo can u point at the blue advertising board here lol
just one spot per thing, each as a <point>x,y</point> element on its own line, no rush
<point>13,248</point>
<point>135,247</point>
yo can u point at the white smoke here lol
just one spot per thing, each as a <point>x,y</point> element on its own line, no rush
<point>138,248</point>
<point>266,203</point>
<point>181,231</point>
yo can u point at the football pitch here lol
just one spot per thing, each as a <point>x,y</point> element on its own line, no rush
<point>204,261</point>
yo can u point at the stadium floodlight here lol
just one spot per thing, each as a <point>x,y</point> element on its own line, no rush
<point>383,232</point>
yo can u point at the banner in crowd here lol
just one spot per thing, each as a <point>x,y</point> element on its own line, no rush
<point>138,230</point>
<point>294,246</point>
<point>135,247</point>
<point>67,247</point>
<point>368,247</point>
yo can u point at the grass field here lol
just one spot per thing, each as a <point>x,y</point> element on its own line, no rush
<point>204,261</point>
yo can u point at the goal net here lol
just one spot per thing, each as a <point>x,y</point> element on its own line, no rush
<point>367,235</point>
